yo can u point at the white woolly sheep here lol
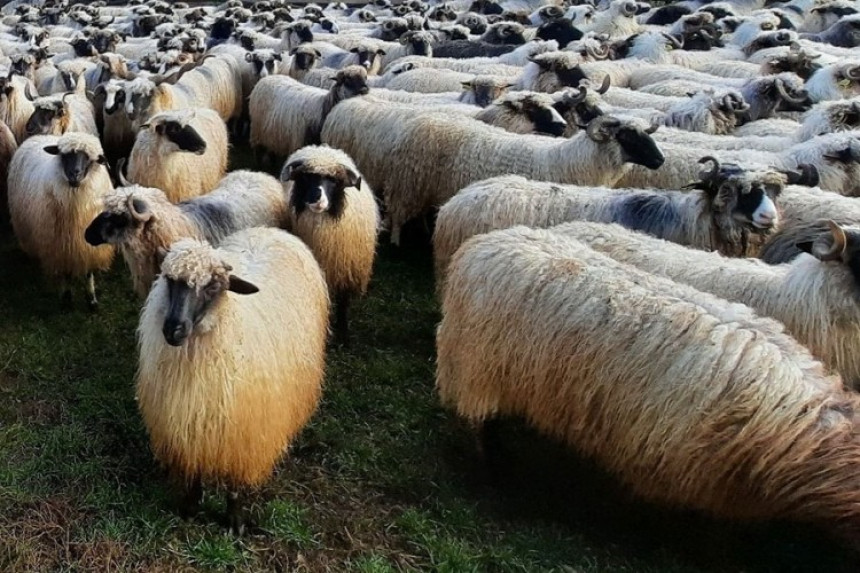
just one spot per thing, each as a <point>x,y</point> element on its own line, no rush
<point>691,401</point>
<point>335,213</point>
<point>16,104</point>
<point>56,185</point>
<point>140,221</point>
<point>183,153</point>
<point>244,328</point>
<point>814,297</point>
<point>379,137</point>
<point>733,215</point>
<point>59,114</point>
<point>287,115</point>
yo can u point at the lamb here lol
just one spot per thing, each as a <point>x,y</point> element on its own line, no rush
<point>182,152</point>
<point>286,115</point>
<point>253,360</point>
<point>56,185</point>
<point>732,216</point>
<point>141,221</point>
<point>335,213</point>
<point>691,401</point>
<point>814,296</point>
<point>379,137</point>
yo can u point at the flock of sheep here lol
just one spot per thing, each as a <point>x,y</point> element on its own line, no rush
<point>646,244</point>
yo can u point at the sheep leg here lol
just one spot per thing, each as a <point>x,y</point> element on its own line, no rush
<point>236,511</point>
<point>487,446</point>
<point>190,497</point>
<point>395,233</point>
<point>65,293</point>
<point>341,328</point>
<point>92,301</point>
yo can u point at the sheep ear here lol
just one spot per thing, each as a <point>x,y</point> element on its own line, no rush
<point>354,50</point>
<point>51,150</point>
<point>289,170</point>
<point>380,51</point>
<point>249,57</point>
<point>353,179</point>
<point>241,286</point>
<point>102,160</point>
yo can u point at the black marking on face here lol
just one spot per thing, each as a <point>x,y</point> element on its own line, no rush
<point>308,189</point>
<point>107,228</point>
<point>563,31</point>
<point>42,119</point>
<point>186,137</point>
<point>638,147</point>
<point>140,103</point>
<point>569,77</point>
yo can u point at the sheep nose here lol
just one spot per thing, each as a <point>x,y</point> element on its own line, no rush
<point>175,332</point>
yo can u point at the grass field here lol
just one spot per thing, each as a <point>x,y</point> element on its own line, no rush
<point>382,480</point>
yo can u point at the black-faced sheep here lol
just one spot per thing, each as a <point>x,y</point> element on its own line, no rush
<point>691,401</point>
<point>379,137</point>
<point>183,153</point>
<point>56,186</point>
<point>287,115</point>
<point>140,221</point>
<point>335,213</point>
<point>244,327</point>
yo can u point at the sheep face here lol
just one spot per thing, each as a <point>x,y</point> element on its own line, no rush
<point>561,30</point>
<point>540,112</point>
<point>636,144</point>
<point>476,23</point>
<point>264,62</point>
<point>419,43</point>
<point>174,137</point>
<point>483,91</point>
<point>392,29</point>
<point>84,48</point>
<point>743,197</point>
<point>795,61</point>
<point>319,192</point>
<point>368,57</point>
<point>77,164</point>
<point>193,292</point>
<point>46,116</point>
<point>304,57</point>
<point>351,81</point>
<point>117,226</point>
<point>577,108</point>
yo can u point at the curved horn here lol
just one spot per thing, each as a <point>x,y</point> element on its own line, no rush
<point>120,166</point>
<point>135,214</point>
<point>594,129</point>
<point>28,91</point>
<point>852,72</point>
<point>597,52</point>
<point>783,93</point>
<point>707,175</point>
<point>676,43</point>
<point>579,97</point>
<point>65,95</point>
<point>655,125</point>
<point>836,249</point>
<point>604,87</point>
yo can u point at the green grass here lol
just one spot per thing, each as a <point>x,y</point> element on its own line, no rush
<point>382,479</point>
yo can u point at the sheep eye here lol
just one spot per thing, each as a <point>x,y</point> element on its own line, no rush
<point>767,26</point>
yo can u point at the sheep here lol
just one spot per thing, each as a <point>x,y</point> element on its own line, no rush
<point>830,117</point>
<point>8,147</point>
<point>55,187</point>
<point>733,216</point>
<point>618,21</point>
<point>525,112</point>
<point>182,152</point>
<point>118,131</point>
<point>303,58</point>
<point>814,296</point>
<point>253,360</point>
<point>59,114</point>
<point>335,213</point>
<point>708,112</point>
<point>691,401</point>
<point>16,104</point>
<point>140,221</point>
<point>286,115</point>
<point>834,81</point>
<point>378,137</point>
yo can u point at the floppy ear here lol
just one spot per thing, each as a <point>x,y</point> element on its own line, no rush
<point>51,150</point>
<point>102,160</point>
<point>289,170</point>
<point>380,51</point>
<point>241,286</point>
<point>354,50</point>
<point>353,179</point>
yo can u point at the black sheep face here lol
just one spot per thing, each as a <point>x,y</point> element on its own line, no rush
<point>42,120</point>
<point>637,145</point>
<point>750,203</point>
<point>115,227</point>
<point>305,59</point>
<point>76,164</point>
<point>180,137</point>
<point>318,193</point>
<point>264,63</point>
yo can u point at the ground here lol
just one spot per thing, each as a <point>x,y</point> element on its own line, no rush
<point>383,479</point>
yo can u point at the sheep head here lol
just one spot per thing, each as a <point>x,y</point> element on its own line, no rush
<point>79,155</point>
<point>175,133</point>
<point>47,116</point>
<point>635,142</point>
<point>129,212</point>
<point>796,60</point>
<point>539,109</point>
<point>318,181</point>
<point>194,280</point>
<point>350,81</point>
<point>742,198</point>
<point>305,57</point>
<point>486,89</point>
<point>835,243</point>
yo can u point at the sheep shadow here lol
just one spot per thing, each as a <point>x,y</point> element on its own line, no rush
<point>537,479</point>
